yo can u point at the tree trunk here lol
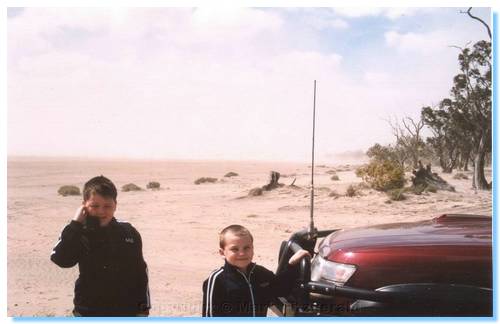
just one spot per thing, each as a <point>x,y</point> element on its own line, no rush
<point>466,162</point>
<point>274,176</point>
<point>479,180</point>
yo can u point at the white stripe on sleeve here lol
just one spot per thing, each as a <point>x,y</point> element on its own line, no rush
<point>210,291</point>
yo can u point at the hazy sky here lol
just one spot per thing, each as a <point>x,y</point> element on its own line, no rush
<point>224,83</point>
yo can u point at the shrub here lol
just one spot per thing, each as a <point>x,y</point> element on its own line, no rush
<point>335,178</point>
<point>205,179</point>
<point>396,194</point>
<point>382,175</point>
<point>69,191</point>
<point>231,174</point>
<point>153,185</point>
<point>351,191</point>
<point>131,187</point>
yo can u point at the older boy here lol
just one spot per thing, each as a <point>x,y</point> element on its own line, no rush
<point>113,277</point>
<point>240,287</point>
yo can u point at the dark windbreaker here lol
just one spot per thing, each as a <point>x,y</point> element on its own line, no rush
<point>113,278</point>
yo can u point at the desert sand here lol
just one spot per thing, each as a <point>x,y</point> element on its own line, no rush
<point>180,222</point>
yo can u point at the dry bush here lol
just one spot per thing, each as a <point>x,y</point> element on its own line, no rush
<point>153,185</point>
<point>231,174</point>
<point>335,178</point>
<point>69,191</point>
<point>131,187</point>
<point>382,175</point>
<point>205,179</point>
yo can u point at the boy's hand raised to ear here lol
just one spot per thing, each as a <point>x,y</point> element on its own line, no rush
<point>81,214</point>
<point>298,256</point>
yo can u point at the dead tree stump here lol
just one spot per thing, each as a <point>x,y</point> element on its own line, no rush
<point>424,177</point>
<point>274,176</point>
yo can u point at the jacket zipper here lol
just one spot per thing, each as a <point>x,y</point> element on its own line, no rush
<point>249,287</point>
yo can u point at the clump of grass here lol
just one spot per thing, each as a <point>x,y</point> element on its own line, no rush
<point>204,180</point>
<point>255,192</point>
<point>69,191</point>
<point>252,216</point>
<point>231,174</point>
<point>131,187</point>
<point>333,194</point>
<point>460,176</point>
<point>351,191</point>
<point>335,177</point>
<point>153,185</point>
<point>396,194</point>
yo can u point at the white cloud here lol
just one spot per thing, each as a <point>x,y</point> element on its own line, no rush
<point>202,83</point>
<point>391,13</point>
<point>325,23</point>
<point>426,43</point>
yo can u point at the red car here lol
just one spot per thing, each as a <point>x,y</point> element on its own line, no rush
<point>438,267</point>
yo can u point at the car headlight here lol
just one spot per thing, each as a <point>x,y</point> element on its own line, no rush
<point>338,273</point>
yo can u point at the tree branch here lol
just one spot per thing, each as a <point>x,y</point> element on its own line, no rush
<point>480,20</point>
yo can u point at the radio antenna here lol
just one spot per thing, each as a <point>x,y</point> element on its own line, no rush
<point>312,229</point>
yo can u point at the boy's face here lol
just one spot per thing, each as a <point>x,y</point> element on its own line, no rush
<point>100,207</point>
<point>238,250</point>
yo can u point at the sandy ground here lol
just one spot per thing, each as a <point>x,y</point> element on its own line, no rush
<point>179,223</point>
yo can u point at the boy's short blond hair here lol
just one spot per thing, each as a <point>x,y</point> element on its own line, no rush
<point>237,230</point>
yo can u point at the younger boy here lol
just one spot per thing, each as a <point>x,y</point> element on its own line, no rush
<point>113,277</point>
<point>240,287</point>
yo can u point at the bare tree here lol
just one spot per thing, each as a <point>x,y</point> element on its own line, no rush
<point>408,138</point>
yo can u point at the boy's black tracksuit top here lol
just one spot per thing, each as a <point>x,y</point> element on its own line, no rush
<point>113,278</point>
<point>230,292</point>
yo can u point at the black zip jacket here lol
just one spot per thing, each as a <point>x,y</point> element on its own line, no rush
<point>230,292</point>
<point>113,278</point>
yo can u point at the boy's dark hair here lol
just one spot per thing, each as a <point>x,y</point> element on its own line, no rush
<point>237,230</point>
<point>99,185</point>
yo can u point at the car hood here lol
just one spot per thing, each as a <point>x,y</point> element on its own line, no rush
<point>453,249</point>
<point>453,230</point>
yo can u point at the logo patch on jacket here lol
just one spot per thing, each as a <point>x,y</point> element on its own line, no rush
<point>129,239</point>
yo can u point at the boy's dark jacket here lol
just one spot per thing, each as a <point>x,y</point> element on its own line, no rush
<point>113,277</point>
<point>229,292</point>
